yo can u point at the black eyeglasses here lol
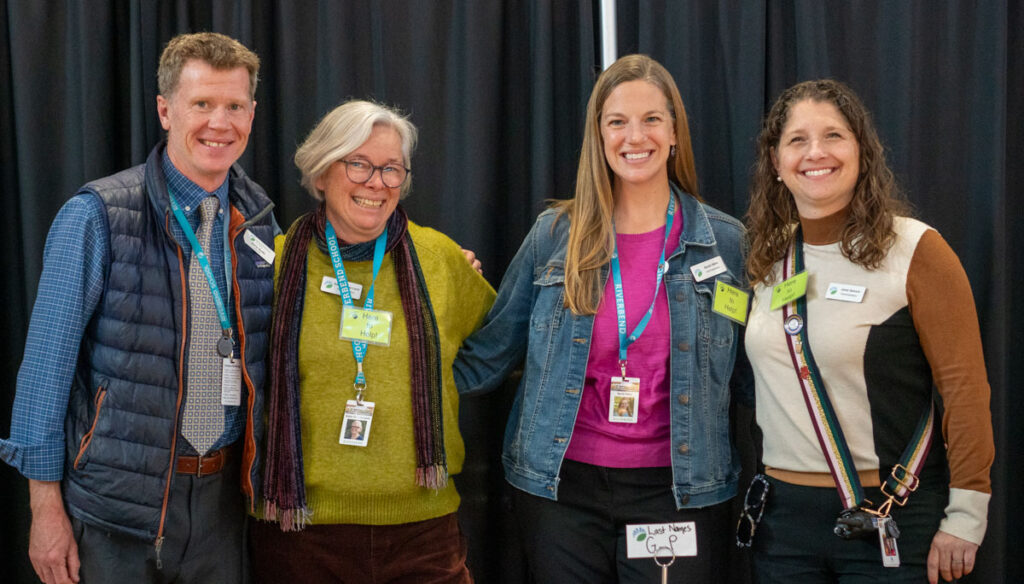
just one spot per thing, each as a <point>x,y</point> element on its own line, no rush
<point>360,171</point>
<point>753,509</point>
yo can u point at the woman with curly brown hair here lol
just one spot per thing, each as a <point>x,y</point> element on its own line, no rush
<point>838,266</point>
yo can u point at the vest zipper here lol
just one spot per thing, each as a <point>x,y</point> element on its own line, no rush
<point>249,438</point>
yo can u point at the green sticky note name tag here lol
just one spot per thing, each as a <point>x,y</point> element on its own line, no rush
<point>789,290</point>
<point>368,326</point>
<point>730,302</point>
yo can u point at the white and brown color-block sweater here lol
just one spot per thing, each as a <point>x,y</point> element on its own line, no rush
<point>916,326</point>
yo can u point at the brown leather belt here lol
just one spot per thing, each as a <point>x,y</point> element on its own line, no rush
<point>210,463</point>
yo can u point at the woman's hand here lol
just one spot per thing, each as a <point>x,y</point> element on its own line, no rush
<point>471,258</point>
<point>950,557</point>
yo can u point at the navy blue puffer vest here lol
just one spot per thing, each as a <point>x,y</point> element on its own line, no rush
<point>125,404</point>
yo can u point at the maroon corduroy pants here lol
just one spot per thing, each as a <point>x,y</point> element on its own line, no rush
<point>424,552</point>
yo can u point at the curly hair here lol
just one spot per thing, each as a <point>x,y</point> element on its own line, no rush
<point>868,234</point>
<point>591,234</point>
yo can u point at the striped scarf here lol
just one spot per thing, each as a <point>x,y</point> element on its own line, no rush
<point>284,488</point>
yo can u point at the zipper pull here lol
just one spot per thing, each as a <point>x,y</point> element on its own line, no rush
<point>159,545</point>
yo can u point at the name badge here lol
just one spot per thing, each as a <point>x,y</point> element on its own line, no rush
<point>368,326</point>
<point>258,246</point>
<point>625,400</point>
<point>708,269</point>
<point>355,424</point>
<point>845,292</point>
<point>789,290</point>
<point>231,382</point>
<point>730,302</point>
<point>330,285</point>
<point>661,540</point>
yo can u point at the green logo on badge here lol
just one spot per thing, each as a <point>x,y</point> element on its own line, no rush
<point>832,291</point>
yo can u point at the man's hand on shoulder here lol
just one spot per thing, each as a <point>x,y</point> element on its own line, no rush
<point>51,548</point>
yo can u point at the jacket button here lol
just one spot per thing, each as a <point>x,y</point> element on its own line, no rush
<point>684,398</point>
<point>680,296</point>
<point>685,499</point>
<point>684,448</point>
<point>684,346</point>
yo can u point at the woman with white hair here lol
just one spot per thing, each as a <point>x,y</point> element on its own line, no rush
<point>369,312</point>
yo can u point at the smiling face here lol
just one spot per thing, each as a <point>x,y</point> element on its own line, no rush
<point>637,132</point>
<point>818,158</point>
<point>359,212</point>
<point>208,119</point>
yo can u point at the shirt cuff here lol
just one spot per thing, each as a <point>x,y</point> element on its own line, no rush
<point>40,462</point>
<point>966,515</point>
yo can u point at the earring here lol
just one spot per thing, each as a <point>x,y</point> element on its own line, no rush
<point>672,151</point>
<point>778,178</point>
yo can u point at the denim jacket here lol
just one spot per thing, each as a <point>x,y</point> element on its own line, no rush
<point>529,320</point>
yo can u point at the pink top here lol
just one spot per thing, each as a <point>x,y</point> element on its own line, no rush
<point>595,440</point>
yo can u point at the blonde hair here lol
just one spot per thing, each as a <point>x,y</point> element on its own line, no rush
<point>591,233</point>
<point>343,130</point>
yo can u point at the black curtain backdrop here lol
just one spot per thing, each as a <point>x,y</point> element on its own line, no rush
<point>499,90</point>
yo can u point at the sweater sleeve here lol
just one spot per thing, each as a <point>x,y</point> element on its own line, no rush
<point>942,307</point>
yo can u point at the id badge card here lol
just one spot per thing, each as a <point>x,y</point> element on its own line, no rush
<point>231,382</point>
<point>368,326</point>
<point>887,543</point>
<point>625,400</point>
<point>355,424</point>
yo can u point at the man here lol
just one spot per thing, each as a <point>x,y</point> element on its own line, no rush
<point>139,399</point>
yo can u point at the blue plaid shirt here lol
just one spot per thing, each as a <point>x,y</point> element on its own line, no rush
<point>70,287</point>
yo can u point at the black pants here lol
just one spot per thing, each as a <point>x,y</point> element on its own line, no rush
<point>581,536</point>
<point>795,542</point>
<point>204,538</point>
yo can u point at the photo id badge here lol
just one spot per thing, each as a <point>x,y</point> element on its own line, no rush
<point>231,382</point>
<point>887,543</point>
<point>625,400</point>
<point>355,424</point>
<point>368,326</point>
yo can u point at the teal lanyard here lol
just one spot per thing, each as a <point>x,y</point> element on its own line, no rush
<point>358,347</point>
<point>620,298</point>
<point>204,263</point>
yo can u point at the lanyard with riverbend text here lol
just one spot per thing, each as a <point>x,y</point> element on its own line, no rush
<point>358,347</point>
<point>620,302</point>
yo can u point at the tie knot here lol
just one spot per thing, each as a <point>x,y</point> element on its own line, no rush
<point>208,209</point>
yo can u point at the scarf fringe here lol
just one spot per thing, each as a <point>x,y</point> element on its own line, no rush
<point>288,519</point>
<point>434,477</point>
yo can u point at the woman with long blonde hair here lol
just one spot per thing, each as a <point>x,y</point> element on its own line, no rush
<point>622,414</point>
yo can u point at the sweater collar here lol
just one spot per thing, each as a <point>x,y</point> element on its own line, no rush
<point>825,230</point>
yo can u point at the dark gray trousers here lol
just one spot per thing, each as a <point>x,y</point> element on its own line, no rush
<point>204,538</point>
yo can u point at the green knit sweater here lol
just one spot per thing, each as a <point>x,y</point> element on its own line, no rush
<point>375,484</point>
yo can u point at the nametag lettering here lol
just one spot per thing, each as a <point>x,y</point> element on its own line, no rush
<point>258,246</point>
<point>708,269</point>
<point>330,285</point>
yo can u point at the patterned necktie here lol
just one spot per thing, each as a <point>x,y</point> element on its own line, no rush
<point>203,421</point>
